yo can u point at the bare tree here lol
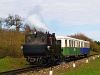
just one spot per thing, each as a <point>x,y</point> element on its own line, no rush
<point>0,23</point>
<point>14,21</point>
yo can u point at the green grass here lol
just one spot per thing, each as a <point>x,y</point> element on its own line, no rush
<point>9,63</point>
<point>92,68</point>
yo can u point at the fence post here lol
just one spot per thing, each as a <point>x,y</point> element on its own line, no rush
<point>51,72</point>
<point>87,61</point>
<point>93,58</point>
<point>74,65</point>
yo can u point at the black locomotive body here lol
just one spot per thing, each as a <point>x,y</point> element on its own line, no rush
<point>41,48</point>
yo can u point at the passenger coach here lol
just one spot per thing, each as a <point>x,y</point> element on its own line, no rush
<point>72,47</point>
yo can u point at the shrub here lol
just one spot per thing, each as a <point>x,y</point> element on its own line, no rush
<point>10,42</point>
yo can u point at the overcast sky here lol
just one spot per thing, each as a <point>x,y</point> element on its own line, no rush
<point>64,17</point>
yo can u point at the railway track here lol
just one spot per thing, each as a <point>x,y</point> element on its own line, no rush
<point>17,71</point>
<point>34,68</point>
<point>24,70</point>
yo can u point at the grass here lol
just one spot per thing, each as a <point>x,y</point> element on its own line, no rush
<point>92,68</point>
<point>9,63</point>
<point>93,52</point>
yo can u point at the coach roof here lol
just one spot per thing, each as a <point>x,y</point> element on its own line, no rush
<point>66,37</point>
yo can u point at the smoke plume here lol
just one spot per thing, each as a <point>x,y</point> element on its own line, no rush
<point>35,20</point>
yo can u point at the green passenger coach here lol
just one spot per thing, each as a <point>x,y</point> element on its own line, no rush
<point>70,46</point>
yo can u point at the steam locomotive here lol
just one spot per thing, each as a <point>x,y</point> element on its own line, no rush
<point>41,48</point>
<point>45,48</point>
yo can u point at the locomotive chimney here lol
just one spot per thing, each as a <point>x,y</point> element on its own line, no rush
<point>53,34</point>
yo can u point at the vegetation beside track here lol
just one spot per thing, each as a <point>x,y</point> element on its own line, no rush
<point>10,43</point>
<point>91,68</point>
<point>9,63</point>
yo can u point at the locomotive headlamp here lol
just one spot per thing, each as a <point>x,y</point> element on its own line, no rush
<point>48,47</point>
<point>21,47</point>
<point>35,32</point>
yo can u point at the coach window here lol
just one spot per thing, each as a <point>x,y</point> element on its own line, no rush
<point>84,44</point>
<point>81,44</point>
<point>75,43</point>
<point>88,45</point>
<point>65,43</point>
<point>69,43</point>
<point>72,43</point>
<point>78,44</point>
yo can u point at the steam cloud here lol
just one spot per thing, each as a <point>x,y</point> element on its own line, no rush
<point>34,21</point>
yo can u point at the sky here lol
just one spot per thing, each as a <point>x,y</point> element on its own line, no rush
<point>64,17</point>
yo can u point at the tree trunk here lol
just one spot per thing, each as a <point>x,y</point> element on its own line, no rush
<point>17,29</point>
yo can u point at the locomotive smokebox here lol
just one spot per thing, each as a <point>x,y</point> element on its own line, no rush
<point>34,50</point>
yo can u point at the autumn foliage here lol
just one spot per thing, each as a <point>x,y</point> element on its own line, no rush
<point>10,43</point>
